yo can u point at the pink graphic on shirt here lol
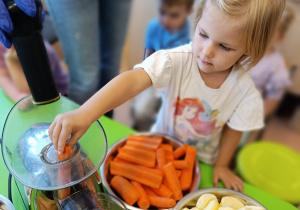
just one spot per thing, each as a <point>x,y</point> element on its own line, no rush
<point>194,118</point>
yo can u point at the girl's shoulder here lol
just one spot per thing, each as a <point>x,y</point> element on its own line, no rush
<point>187,48</point>
<point>242,80</point>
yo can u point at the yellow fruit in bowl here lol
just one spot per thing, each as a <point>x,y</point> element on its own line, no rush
<point>231,202</point>
<point>254,208</point>
<point>205,199</point>
<point>212,205</point>
<point>225,208</point>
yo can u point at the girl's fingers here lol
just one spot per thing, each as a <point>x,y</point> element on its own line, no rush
<point>215,181</point>
<point>63,137</point>
<point>227,184</point>
<point>56,133</point>
<point>51,128</point>
<point>235,186</point>
<point>74,138</point>
<point>240,184</point>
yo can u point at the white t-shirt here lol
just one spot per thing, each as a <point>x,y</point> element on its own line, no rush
<point>195,113</point>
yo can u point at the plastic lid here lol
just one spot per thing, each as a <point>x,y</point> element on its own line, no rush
<point>30,156</point>
<point>273,168</point>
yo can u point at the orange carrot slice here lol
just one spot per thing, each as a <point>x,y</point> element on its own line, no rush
<point>127,191</point>
<point>161,202</point>
<point>163,191</point>
<point>139,156</point>
<point>168,151</point>
<point>143,201</point>
<point>136,173</point>
<point>173,180</point>
<point>187,174</point>
<point>149,191</point>
<point>143,145</point>
<point>64,173</point>
<point>180,151</point>
<point>161,157</point>
<point>180,164</point>
<point>150,170</point>
<point>149,139</point>
<point>179,172</point>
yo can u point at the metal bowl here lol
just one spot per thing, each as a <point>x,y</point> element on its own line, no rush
<point>191,199</point>
<point>106,176</point>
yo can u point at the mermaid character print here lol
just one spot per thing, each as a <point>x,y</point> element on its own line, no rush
<point>196,122</point>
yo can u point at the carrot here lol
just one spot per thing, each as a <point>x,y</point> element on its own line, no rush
<point>136,173</point>
<point>161,158</point>
<point>139,156</point>
<point>172,180</point>
<point>149,191</point>
<point>91,184</point>
<point>161,202</point>
<point>180,164</point>
<point>127,191</point>
<point>91,165</point>
<point>67,153</point>
<point>187,174</point>
<point>168,151</point>
<point>179,172</point>
<point>150,170</point>
<point>157,140</point>
<point>143,201</point>
<point>143,145</point>
<point>180,151</point>
<point>163,191</point>
<point>64,172</point>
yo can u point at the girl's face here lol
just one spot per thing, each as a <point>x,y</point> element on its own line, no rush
<point>189,112</point>
<point>218,41</point>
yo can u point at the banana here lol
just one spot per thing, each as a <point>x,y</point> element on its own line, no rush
<point>204,200</point>
<point>231,202</point>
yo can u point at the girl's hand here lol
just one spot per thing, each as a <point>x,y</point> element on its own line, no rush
<point>230,180</point>
<point>72,123</point>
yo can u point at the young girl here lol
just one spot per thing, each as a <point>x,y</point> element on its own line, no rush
<point>230,36</point>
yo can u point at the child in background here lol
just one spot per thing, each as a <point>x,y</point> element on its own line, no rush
<point>230,37</point>
<point>271,75</point>
<point>12,78</point>
<point>170,30</point>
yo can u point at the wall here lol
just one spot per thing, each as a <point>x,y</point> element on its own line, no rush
<point>290,48</point>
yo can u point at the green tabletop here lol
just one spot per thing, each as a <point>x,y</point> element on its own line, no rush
<point>114,132</point>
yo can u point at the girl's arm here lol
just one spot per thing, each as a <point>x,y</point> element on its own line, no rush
<point>116,92</point>
<point>270,106</point>
<point>15,71</point>
<point>228,144</point>
<point>9,87</point>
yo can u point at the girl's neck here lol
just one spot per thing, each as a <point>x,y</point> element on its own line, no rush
<point>214,80</point>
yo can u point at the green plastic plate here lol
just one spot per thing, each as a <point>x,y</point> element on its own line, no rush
<point>273,168</point>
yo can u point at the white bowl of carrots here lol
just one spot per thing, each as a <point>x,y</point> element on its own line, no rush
<point>150,171</point>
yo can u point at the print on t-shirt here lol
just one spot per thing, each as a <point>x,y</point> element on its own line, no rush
<point>196,122</point>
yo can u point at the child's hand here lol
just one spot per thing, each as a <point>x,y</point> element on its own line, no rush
<point>230,180</point>
<point>72,123</point>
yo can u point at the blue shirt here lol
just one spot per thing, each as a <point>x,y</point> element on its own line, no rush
<point>158,38</point>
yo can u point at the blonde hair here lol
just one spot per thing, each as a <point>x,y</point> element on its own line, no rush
<point>286,19</point>
<point>259,20</point>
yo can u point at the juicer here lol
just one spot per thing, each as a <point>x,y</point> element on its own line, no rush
<point>26,147</point>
